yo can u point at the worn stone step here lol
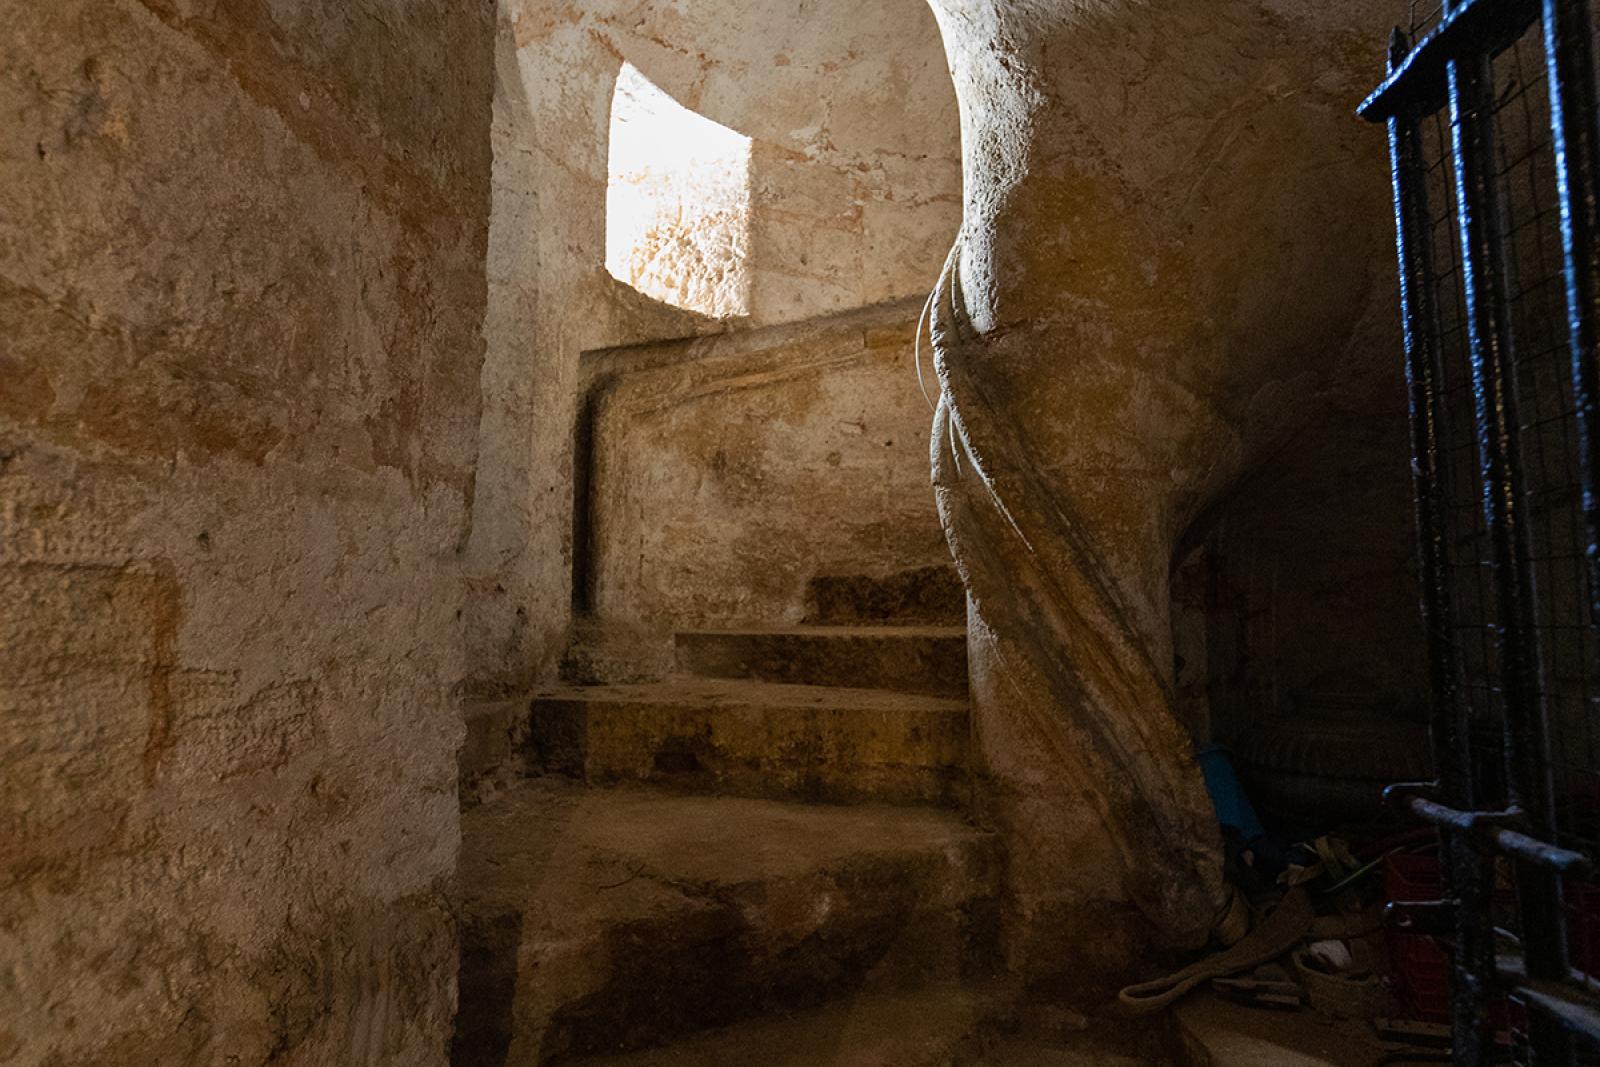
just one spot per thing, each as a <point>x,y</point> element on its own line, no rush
<point>929,596</point>
<point>941,1026</point>
<point>927,1028</point>
<point>1216,1033</point>
<point>756,739</point>
<point>602,921</point>
<point>908,659</point>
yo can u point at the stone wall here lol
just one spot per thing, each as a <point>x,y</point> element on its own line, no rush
<point>728,473</point>
<point>1310,585</point>
<point>242,285</point>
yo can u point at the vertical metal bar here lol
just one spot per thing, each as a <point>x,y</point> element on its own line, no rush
<point>1471,92</point>
<point>1570,68</point>
<point>1570,65</point>
<point>1464,873</point>
<point>1424,378</point>
<point>1489,337</point>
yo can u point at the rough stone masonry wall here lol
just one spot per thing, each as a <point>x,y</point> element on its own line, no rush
<point>241,289</point>
<point>728,479</point>
<point>1175,257</point>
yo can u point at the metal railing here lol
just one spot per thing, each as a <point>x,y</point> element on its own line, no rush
<point>1495,153</point>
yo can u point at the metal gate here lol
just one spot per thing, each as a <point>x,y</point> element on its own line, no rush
<point>1493,137</point>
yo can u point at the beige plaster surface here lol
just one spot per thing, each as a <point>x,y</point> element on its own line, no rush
<point>241,287</point>
<point>730,474</point>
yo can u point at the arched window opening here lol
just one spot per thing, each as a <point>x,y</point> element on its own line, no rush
<point>677,202</point>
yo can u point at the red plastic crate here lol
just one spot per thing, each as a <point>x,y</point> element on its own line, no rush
<point>1420,966</point>
<point>1583,926</point>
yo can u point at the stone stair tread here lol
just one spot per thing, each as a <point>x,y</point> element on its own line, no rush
<point>604,920</point>
<point>756,739</point>
<point>874,631</point>
<point>924,1028</point>
<point>921,594</point>
<point>904,659</point>
<point>747,692</point>
<point>1217,1033</point>
<point>574,839</point>
<point>966,1025</point>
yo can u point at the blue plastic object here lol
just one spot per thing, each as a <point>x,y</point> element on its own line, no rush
<point>1227,795</point>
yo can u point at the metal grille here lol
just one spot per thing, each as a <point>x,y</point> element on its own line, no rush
<point>1422,16</point>
<point>1467,545</point>
<point>1551,462</point>
<point>1490,106</point>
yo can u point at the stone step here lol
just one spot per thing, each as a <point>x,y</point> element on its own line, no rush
<point>907,659</point>
<point>941,1026</point>
<point>602,921</point>
<point>928,596</point>
<point>1216,1033</point>
<point>756,739</point>
<point>927,1028</point>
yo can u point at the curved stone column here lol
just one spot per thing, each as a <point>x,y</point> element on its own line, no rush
<point>1175,242</point>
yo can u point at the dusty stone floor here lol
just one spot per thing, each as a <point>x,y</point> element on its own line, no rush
<point>1219,1034</point>
<point>937,1028</point>
<point>761,859</point>
<point>601,920</point>
<point>637,927</point>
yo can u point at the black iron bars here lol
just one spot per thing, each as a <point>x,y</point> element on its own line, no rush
<point>1453,68</point>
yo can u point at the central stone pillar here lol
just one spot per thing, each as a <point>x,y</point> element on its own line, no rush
<point>1173,235</point>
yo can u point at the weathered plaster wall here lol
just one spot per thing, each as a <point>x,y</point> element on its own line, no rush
<point>241,288</point>
<point>855,180</point>
<point>1174,257</point>
<point>728,478</point>
<point>1313,591</point>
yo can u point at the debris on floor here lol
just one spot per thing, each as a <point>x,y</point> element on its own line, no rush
<point>1318,979</point>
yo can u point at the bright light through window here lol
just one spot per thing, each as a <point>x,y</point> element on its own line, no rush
<point>678,202</point>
